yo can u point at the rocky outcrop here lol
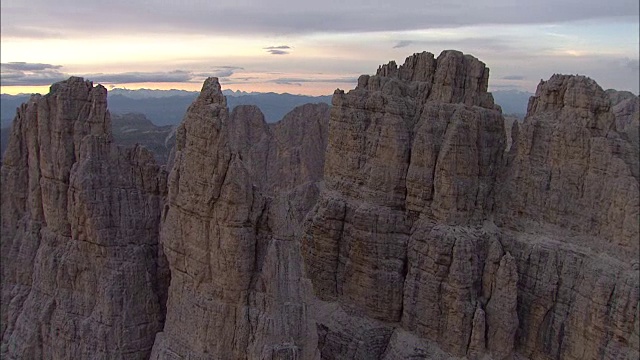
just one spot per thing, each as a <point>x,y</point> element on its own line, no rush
<point>569,211</point>
<point>403,232</point>
<point>570,167</point>
<point>82,272</point>
<point>235,192</point>
<point>625,106</point>
<point>411,156</point>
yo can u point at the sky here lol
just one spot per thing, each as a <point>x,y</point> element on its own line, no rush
<point>309,47</point>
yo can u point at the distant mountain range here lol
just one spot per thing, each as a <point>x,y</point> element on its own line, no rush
<point>513,102</point>
<point>151,93</point>
<point>166,107</point>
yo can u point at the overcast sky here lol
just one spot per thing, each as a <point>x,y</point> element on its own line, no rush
<point>297,47</point>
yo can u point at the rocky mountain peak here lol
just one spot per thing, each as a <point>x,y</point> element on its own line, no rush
<point>570,166</point>
<point>86,273</point>
<point>211,93</point>
<point>451,78</point>
<point>573,93</point>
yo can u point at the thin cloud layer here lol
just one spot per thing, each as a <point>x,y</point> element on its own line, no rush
<point>314,80</point>
<point>220,72</point>
<point>277,52</point>
<point>36,74</point>
<point>24,66</point>
<point>142,77</point>
<point>29,74</point>
<point>281,47</point>
<point>277,17</point>
<point>403,43</point>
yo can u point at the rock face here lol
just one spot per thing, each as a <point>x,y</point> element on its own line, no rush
<point>396,225</point>
<point>81,270</point>
<point>403,232</point>
<point>236,191</point>
<point>411,163</point>
<point>569,208</point>
<point>626,108</point>
<point>570,167</point>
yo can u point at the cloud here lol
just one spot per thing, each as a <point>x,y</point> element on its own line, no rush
<point>23,73</point>
<point>24,66</point>
<point>221,71</point>
<point>142,77</point>
<point>281,47</point>
<point>37,74</point>
<point>513,77</point>
<point>281,17</point>
<point>287,80</point>
<point>403,43</point>
<point>282,82</point>
<point>277,52</point>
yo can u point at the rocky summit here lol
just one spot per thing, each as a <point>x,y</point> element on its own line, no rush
<point>395,224</point>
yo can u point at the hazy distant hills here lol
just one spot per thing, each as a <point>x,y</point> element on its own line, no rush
<point>167,107</point>
<point>513,102</point>
<point>130,129</point>
<point>8,106</point>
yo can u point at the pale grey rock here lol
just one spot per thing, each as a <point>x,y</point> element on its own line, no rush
<point>238,190</point>
<point>569,166</point>
<point>81,269</point>
<point>415,141</point>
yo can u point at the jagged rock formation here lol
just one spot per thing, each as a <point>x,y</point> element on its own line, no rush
<point>237,189</point>
<point>403,232</point>
<point>80,258</point>
<point>570,167</point>
<point>397,225</point>
<point>625,107</point>
<point>570,208</point>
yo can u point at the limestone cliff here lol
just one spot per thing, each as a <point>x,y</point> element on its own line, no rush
<point>81,264</point>
<point>569,211</point>
<point>236,191</point>
<point>403,236</point>
<point>570,167</point>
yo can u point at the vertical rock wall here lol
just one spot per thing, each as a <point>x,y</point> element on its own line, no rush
<point>81,270</point>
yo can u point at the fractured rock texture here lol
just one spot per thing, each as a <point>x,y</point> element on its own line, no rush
<point>403,230</point>
<point>410,162</point>
<point>81,273</point>
<point>570,167</point>
<point>237,286</point>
